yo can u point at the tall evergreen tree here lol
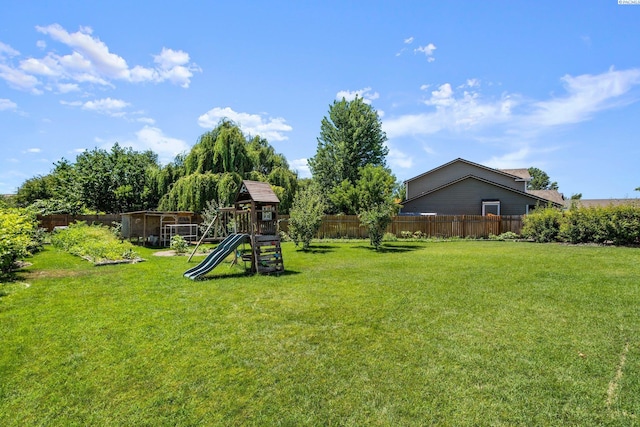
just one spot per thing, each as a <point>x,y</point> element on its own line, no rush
<point>540,180</point>
<point>350,138</point>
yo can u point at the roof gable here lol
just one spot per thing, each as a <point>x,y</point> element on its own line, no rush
<point>260,192</point>
<point>504,187</point>
<point>506,172</point>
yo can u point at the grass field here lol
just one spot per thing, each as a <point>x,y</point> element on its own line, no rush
<point>421,333</point>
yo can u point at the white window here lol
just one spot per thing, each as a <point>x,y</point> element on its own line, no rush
<point>491,208</point>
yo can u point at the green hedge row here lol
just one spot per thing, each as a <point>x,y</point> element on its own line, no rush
<point>618,225</point>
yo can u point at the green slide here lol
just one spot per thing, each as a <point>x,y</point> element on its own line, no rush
<point>223,250</point>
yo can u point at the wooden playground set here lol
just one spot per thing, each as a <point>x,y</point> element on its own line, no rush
<point>253,220</point>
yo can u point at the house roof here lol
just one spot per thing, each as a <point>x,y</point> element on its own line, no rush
<point>551,195</point>
<point>521,173</point>
<point>260,192</point>
<point>593,203</point>
<point>504,187</point>
<point>500,171</point>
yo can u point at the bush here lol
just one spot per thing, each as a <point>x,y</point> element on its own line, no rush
<point>543,225</point>
<point>19,236</point>
<point>178,244</point>
<point>406,234</point>
<point>389,237</point>
<point>305,216</point>
<point>619,225</point>
<point>507,235</point>
<point>94,242</point>
<point>376,219</point>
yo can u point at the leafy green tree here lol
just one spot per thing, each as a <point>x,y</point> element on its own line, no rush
<point>56,192</point>
<point>264,157</point>
<point>350,138</point>
<point>540,180</point>
<point>192,192</point>
<point>376,191</point>
<point>223,149</point>
<point>306,216</point>
<point>39,187</point>
<point>216,165</point>
<point>115,181</point>
<point>345,198</point>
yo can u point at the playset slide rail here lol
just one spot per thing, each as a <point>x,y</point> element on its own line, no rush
<point>223,250</point>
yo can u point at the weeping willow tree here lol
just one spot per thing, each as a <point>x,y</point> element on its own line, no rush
<point>192,192</point>
<point>217,164</point>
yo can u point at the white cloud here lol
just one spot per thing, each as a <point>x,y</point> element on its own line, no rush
<point>407,41</point>
<point>427,50</point>
<point>152,138</point>
<point>7,51</point>
<point>68,87</point>
<point>170,58</point>
<point>366,95</point>
<point>397,158</point>
<point>20,80</point>
<point>273,129</point>
<point>7,104</point>
<point>147,120</point>
<point>511,120</point>
<point>90,61</point>
<point>586,94</point>
<point>34,150</point>
<point>302,167</point>
<point>453,112</point>
<point>106,105</point>
<point>93,50</point>
<point>518,157</point>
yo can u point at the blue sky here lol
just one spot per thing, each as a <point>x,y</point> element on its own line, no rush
<point>508,84</point>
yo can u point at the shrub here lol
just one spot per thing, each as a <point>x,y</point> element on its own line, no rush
<point>376,219</point>
<point>543,225</point>
<point>406,234</point>
<point>619,225</point>
<point>419,235</point>
<point>94,242</point>
<point>389,237</point>
<point>178,244</point>
<point>507,235</point>
<point>305,216</point>
<point>19,236</point>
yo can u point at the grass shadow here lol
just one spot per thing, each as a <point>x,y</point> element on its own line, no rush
<point>385,248</point>
<point>318,249</point>
<point>12,282</point>
<point>240,274</point>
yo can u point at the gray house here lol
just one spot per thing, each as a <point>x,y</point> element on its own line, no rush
<point>461,187</point>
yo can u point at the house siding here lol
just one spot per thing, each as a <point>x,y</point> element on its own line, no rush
<point>465,198</point>
<point>455,170</point>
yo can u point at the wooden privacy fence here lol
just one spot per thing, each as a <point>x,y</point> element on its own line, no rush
<point>440,226</point>
<point>348,226</point>
<point>62,220</point>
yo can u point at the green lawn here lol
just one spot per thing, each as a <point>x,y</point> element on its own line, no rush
<point>437,333</point>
